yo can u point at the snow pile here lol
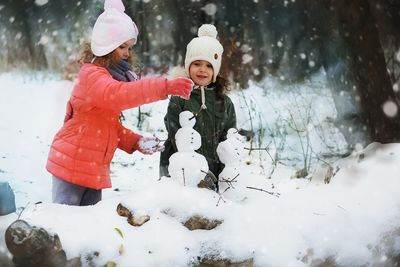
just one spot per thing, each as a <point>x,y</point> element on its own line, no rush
<point>277,222</point>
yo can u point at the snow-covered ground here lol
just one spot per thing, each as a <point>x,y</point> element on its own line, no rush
<point>305,219</point>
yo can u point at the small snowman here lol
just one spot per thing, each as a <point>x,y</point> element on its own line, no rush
<point>230,153</point>
<point>187,166</point>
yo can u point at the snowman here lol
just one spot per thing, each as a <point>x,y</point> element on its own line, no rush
<point>187,166</point>
<point>230,153</point>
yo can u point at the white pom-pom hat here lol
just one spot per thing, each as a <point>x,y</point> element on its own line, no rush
<point>205,47</point>
<point>112,28</point>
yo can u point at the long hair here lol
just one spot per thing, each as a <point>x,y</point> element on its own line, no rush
<point>222,86</point>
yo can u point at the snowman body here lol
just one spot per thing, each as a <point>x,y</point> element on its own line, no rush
<point>186,166</point>
<point>230,153</point>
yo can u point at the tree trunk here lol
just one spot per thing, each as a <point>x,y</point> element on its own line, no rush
<point>368,66</point>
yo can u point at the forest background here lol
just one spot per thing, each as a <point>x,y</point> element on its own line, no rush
<point>355,44</point>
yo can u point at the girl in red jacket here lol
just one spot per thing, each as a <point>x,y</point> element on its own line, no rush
<point>81,152</point>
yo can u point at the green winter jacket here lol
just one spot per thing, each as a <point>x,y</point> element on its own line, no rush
<point>212,123</point>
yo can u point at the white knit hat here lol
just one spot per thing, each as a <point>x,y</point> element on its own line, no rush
<point>112,28</point>
<point>205,47</point>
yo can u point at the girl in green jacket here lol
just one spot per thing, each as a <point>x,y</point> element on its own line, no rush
<point>214,110</point>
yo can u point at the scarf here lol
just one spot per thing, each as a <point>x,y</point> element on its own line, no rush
<point>122,72</point>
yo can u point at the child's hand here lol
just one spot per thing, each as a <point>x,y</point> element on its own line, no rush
<point>180,87</point>
<point>149,145</point>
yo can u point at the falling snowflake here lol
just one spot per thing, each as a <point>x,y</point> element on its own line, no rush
<point>193,30</point>
<point>390,108</point>
<point>303,56</point>
<point>256,72</point>
<point>210,9</point>
<point>44,40</point>
<point>41,2</point>
<point>246,58</point>
<point>12,19</point>
<point>396,87</point>
<point>159,17</point>
<point>18,36</point>
<point>279,43</point>
<point>245,48</point>
<point>398,56</point>
<point>311,63</point>
<point>358,147</point>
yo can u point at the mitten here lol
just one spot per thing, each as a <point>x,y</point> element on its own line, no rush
<point>180,87</point>
<point>149,145</point>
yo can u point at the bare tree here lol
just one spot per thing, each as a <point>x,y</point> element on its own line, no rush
<point>368,66</point>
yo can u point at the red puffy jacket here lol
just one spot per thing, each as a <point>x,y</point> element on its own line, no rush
<point>82,150</point>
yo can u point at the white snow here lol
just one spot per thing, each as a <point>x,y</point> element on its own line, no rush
<point>210,9</point>
<point>346,218</point>
<point>41,2</point>
<point>246,58</point>
<point>390,108</point>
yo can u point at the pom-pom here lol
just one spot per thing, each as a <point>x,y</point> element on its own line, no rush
<point>207,30</point>
<point>117,4</point>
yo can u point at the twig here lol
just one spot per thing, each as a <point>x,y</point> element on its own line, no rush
<point>230,181</point>
<point>341,207</point>
<point>261,149</point>
<point>23,208</point>
<point>220,196</point>
<point>262,190</point>
<point>250,118</point>
<point>256,148</point>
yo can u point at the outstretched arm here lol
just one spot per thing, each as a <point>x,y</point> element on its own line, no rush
<point>127,139</point>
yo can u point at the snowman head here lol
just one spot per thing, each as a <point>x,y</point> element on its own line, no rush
<point>187,119</point>
<point>233,133</point>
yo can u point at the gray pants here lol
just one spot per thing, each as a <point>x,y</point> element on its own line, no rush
<point>71,194</point>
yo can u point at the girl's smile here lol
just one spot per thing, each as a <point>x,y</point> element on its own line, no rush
<point>201,72</point>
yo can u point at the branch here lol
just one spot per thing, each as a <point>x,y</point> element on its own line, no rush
<point>229,181</point>
<point>220,196</point>
<point>261,149</point>
<point>262,190</point>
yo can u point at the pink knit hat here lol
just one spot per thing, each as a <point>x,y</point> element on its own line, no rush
<point>112,28</point>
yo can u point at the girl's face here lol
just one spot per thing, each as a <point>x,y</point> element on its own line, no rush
<point>123,51</point>
<point>201,72</point>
